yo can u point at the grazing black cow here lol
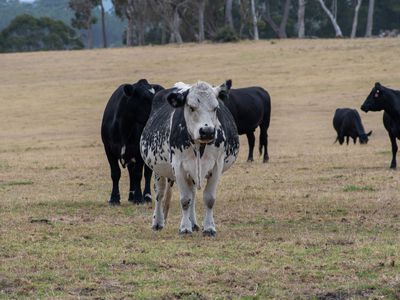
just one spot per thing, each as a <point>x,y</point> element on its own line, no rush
<point>388,100</point>
<point>190,137</point>
<point>347,123</point>
<point>251,108</point>
<point>124,118</point>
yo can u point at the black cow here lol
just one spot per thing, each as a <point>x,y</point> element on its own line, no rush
<point>251,108</point>
<point>124,118</point>
<point>347,123</point>
<point>388,100</point>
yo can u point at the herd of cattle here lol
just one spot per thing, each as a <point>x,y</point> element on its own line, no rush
<point>188,134</point>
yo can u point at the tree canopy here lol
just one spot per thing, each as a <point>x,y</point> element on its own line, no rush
<point>27,33</point>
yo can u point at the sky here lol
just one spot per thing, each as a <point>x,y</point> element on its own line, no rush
<point>107,3</point>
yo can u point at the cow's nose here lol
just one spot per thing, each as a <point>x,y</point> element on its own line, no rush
<point>364,108</point>
<point>207,133</point>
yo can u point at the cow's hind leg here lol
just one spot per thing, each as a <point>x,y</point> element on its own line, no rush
<point>147,184</point>
<point>264,142</point>
<point>158,215</point>
<point>167,197</point>
<point>115,176</point>
<point>209,197</point>
<point>393,164</point>
<point>135,177</point>
<point>251,140</point>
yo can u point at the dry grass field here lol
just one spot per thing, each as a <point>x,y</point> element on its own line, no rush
<point>319,221</point>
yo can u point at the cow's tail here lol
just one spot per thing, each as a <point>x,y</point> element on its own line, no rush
<point>265,124</point>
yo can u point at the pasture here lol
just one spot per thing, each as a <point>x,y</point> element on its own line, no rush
<point>319,221</point>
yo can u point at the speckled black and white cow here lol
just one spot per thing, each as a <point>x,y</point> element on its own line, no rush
<point>190,137</point>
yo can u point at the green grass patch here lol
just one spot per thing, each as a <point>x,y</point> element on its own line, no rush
<point>16,183</point>
<point>355,188</point>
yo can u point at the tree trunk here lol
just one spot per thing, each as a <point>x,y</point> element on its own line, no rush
<point>335,25</point>
<point>90,37</point>
<point>201,4</point>
<point>355,20</point>
<point>228,14</point>
<point>254,18</point>
<point>282,27</point>
<point>163,34</point>
<point>103,25</point>
<point>268,18</point>
<point>140,23</point>
<point>129,33</point>
<point>370,20</point>
<point>175,27</point>
<point>300,18</point>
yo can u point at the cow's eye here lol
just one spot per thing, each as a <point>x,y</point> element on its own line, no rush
<point>215,109</point>
<point>192,109</point>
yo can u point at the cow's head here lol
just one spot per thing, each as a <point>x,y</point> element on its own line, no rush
<point>376,99</point>
<point>200,105</point>
<point>139,98</point>
<point>364,137</point>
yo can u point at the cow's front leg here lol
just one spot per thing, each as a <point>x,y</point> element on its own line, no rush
<point>185,187</point>
<point>193,218</point>
<point>209,197</point>
<point>158,215</point>
<point>147,184</point>
<point>135,177</point>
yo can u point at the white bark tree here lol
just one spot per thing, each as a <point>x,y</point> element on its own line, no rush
<point>201,6</point>
<point>170,12</point>
<point>228,14</point>
<point>300,18</point>
<point>370,19</point>
<point>335,25</point>
<point>355,19</point>
<point>254,20</point>
<point>281,29</point>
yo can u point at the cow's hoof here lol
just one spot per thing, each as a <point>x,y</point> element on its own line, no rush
<point>266,160</point>
<point>135,198</point>
<point>185,232</point>
<point>147,198</point>
<point>250,160</point>
<point>195,227</point>
<point>393,167</point>
<point>157,227</point>
<point>209,232</point>
<point>114,202</point>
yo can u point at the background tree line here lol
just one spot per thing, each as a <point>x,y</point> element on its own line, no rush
<point>103,23</point>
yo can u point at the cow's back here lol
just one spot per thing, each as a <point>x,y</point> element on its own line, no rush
<point>248,107</point>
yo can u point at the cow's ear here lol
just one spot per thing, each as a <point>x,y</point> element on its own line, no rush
<point>143,81</point>
<point>369,133</point>
<point>224,89</point>
<point>377,85</point>
<point>128,90</point>
<point>177,99</point>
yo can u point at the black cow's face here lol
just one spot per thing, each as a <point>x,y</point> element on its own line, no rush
<point>375,100</point>
<point>364,137</point>
<point>139,99</point>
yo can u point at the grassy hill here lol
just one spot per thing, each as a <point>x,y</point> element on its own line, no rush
<point>318,221</point>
